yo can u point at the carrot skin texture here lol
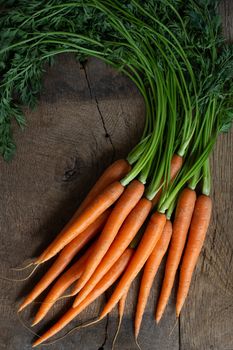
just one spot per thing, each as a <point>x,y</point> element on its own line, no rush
<point>150,270</point>
<point>199,227</point>
<point>98,206</point>
<point>115,172</point>
<point>100,288</point>
<point>183,216</point>
<point>65,257</point>
<point>176,164</point>
<point>122,209</point>
<point>64,281</point>
<point>127,232</point>
<point>151,236</point>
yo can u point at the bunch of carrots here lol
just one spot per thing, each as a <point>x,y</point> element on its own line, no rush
<point>113,214</point>
<point>156,202</point>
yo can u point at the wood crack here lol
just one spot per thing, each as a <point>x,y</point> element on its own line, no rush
<point>93,96</point>
<point>179,334</point>
<point>107,135</point>
<point>105,334</point>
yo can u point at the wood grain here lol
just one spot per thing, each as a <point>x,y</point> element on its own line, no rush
<point>206,322</point>
<point>88,116</point>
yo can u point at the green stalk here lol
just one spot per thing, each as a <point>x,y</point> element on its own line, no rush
<point>206,186</point>
<point>169,112</point>
<point>138,150</point>
<point>194,180</point>
<point>171,209</point>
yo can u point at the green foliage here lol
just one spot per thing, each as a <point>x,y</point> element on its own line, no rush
<point>140,38</point>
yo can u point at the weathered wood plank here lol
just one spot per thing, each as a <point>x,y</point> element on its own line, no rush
<point>226,12</point>
<point>60,155</point>
<point>87,117</point>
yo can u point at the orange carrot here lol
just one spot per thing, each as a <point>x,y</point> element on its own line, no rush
<point>102,202</point>
<point>61,285</point>
<point>150,270</point>
<point>123,207</point>
<point>198,229</point>
<point>151,236</point>
<point>127,232</point>
<point>176,164</point>
<point>115,172</point>
<point>101,287</point>
<point>183,216</point>
<point>65,257</point>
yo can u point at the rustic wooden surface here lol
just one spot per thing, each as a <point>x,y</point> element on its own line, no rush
<point>86,118</point>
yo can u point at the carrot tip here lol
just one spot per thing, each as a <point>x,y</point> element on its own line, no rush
<point>75,303</point>
<point>178,310</point>
<point>157,318</point>
<point>36,343</point>
<point>22,306</point>
<point>35,322</point>
<point>103,314</point>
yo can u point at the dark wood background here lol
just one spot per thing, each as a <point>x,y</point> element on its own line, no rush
<point>86,118</point>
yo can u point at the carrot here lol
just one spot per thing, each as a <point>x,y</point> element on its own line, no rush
<point>176,164</point>
<point>65,257</point>
<point>127,232</point>
<point>71,275</point>
<point>102,202</point>
<point>198,229</point>
<point>183,216</point>
<point>121,308</point>
<point>150,270</point>
<point>151,236</point>
<point>123,207</point>
<point>101,287</point>
<point>115,172</point>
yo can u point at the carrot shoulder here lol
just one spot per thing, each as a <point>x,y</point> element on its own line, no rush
<point>176,164</point>
<point>115,172</point>
<point>199,226</point>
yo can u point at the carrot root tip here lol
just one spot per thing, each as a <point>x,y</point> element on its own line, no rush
<point>22,306</point>
<point>35,322</point>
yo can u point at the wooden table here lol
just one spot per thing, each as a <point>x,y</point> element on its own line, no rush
<point>87,117</point>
